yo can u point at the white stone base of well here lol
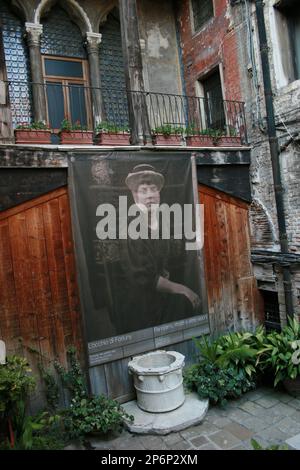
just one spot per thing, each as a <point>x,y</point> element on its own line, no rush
<point>192,412</point>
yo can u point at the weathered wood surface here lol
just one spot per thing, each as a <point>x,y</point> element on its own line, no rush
<point>39,309</point>
<point>232,292</point>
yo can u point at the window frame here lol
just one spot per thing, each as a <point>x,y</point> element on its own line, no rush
<point>192,18</point>
<point>199,91</point>
<point>65,81</point>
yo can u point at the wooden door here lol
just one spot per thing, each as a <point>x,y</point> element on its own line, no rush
<point>232,293</point>
<point>39,309</point>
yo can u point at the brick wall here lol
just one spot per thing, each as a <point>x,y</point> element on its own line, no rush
<point>215,43</point>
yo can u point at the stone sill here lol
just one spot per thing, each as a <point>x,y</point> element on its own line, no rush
<point>67,148</point>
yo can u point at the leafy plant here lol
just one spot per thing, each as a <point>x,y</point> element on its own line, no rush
<point>240,350</point>
<point>31,427</point>
<point>35,125</point>
<point>52,390</point>
<point>68,126</point>
<point>257,446</point>
<point>72,378</point>
<point>279,353</point>
<point>87,414</point>
<point>94,415</point>
<point>167,130</point>
<point>15,384</point>
<point>110,127</point>
<point>217,384</point>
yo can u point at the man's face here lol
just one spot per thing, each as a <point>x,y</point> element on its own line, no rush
<point>147,194</point>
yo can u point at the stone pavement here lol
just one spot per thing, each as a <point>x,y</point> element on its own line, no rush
<point>269,416</point>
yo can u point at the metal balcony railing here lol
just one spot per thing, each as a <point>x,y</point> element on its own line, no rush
<point>87,107</point>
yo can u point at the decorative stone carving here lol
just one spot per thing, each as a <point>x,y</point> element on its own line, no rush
<point>93,41</point>
<point>34,31</point>
<point>158,380</point>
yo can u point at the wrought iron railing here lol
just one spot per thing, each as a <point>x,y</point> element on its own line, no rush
<point>166,113</point>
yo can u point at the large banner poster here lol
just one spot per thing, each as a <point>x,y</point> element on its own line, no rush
<point>140,274</point>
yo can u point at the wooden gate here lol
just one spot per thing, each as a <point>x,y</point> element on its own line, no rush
<point>233,297</point>
<point>39,311</point>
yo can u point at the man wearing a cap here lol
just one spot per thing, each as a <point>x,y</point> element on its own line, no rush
<point>151,297</point>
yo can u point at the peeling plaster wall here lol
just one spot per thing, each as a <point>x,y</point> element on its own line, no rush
<point>159,46</point>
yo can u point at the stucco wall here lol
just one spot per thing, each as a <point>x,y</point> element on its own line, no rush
<point>159,46</point>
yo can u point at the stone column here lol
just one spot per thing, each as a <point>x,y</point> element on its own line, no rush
<point>34,31</point>
<point>138,113</point>
<point>93,41</point>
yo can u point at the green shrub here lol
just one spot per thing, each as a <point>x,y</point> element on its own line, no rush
<point>94,415</point>
<point>217,384</point>
<point>15,385</point>
<point>241,351</point>
<point>280,352</point>
<point>167,129</point>
<point>110,127</point>
<point>87,414</point>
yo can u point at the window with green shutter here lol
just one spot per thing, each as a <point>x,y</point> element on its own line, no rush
<point>203,10</point>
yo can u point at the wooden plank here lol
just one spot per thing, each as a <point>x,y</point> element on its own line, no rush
<point>41,282</point>
<point>226,305</point>
<point>98,380</point>
<point>119,382</point>
<point>55,255</point>
<point>22,275</point>
<point>9,325</point>
<point>71,278</point>
<point>223,196</point>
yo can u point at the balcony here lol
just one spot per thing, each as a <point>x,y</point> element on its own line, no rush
<point>121,117</point>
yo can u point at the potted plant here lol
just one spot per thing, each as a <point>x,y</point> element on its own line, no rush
<point>167,134</point>
<point>36,132</point>
<point>231,140</point>
<point>282,355</point>
<point>198,138</point>
<point>75,134</point>
<point>107,133</point>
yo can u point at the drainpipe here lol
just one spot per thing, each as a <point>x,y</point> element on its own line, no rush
<point>274,151</point>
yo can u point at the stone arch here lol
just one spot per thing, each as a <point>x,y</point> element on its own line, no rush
<point>104,12</point>
<point>261,226</point>
<point>21,9</point>
<point>72,7</point>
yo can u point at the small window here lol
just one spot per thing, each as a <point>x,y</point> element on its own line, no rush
<point>203,10</point>
<point>271,309</point>
<point>63,68</point>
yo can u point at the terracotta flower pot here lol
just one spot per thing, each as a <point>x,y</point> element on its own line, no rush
<point>32,136</point>
<point>76,137</point>
<point>113,138</point>
<point>199,141</point>
<point>162,139</point>
<point>227,141</point>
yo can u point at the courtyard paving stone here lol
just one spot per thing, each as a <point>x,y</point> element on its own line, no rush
<point>269,416</point>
